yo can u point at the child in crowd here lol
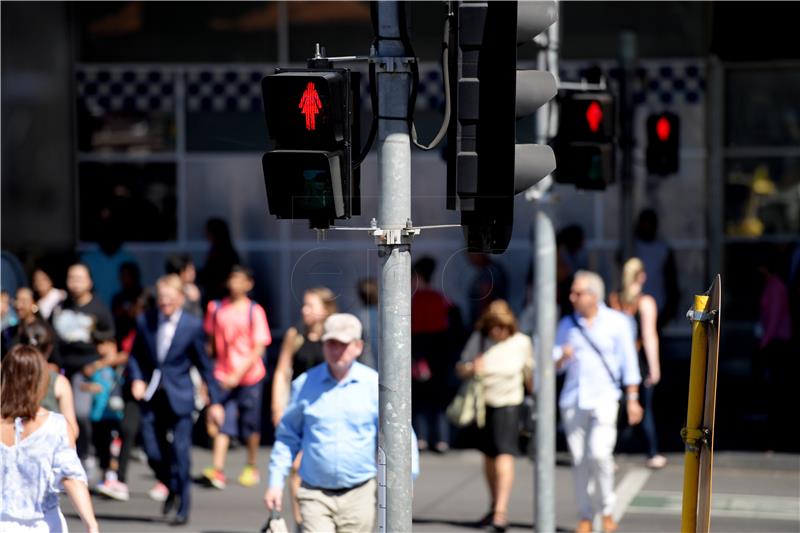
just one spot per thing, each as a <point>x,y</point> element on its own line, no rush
<point>9,317</point>
<point>105,415</point>
<point>239,334</point>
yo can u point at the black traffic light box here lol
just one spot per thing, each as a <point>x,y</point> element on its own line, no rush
<point>663,142</point>
<point>312,119</point>
<point>586,140</point>
<point>486,166</point>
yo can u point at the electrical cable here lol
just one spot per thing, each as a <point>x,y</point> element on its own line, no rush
<point>373,129</point>
<point>447,105</point>
<point>412,101</point>
<point>409,51</point>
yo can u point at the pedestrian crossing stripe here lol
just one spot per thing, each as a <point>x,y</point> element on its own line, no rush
<point>722,505</point>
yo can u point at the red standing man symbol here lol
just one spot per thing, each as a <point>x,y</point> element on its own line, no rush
<point>310,106</point>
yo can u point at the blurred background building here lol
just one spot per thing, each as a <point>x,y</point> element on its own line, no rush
<point>153,110</point>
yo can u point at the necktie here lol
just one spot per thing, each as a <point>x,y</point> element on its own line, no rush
<point>164,335</point>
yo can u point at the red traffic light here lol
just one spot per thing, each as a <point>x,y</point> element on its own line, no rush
<point>594,116</point>
<point>307,109</point>
<point>310,106</point>
<point>663,143</point>
<point>663,128</point>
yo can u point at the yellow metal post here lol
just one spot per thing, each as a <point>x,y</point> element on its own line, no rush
<point>694,417</point>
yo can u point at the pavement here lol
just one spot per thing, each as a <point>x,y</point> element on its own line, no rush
<point>753,492</point>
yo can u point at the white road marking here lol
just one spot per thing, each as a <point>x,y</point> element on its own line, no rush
<point>628,488</point>
<point>722,505</point>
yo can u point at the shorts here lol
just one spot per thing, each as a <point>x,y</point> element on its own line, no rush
<point>242,410</point>
<point>500,435</point>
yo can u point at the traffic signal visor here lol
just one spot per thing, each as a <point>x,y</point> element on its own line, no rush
<point>304,184</point>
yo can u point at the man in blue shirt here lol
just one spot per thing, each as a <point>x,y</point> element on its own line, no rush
<point>333,418</point>
<point>595,347</point>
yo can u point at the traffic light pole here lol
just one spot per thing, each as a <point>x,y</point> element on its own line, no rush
<point>627,53</point>
<point>394,249</point>
<point>544,293</point>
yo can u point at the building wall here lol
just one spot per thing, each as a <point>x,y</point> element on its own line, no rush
<point>184,137</point>
<point>37,152</point>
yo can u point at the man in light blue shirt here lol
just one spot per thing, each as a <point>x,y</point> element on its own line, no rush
<point>332,418</point>
<point>595,347</point>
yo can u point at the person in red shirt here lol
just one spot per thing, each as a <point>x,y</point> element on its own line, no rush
<point>432,350</point>
<point>239,335</point>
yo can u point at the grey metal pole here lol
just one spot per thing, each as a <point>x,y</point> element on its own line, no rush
<point>544,268</point>
<point>627,57</point>
<point>545,294</point>
<point>394,155</point>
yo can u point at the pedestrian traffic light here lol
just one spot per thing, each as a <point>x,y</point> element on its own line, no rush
<point>486,167</point>
<point>585,141</point>
<point>663,140</point>
<point>309,174</point>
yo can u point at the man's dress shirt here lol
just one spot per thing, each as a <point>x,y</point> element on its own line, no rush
<point>335,424</point>
<point>588,384</point>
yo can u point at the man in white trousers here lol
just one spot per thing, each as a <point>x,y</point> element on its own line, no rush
<point>596,349</point>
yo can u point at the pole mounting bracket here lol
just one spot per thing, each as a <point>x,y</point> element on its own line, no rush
<point>694,438</point>
<point>701,316</point>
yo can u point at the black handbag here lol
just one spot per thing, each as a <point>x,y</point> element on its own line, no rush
<point>527,424</point>
<point>275,524</point>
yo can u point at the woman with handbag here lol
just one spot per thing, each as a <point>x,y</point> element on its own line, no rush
<point>502,359</point>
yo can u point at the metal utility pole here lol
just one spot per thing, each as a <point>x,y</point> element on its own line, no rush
<point>545,294</point>
<point>544,268</point>
<point>627,58</point>
<point>394,249</point>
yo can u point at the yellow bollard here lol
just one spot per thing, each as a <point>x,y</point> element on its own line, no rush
<point>692,433</point>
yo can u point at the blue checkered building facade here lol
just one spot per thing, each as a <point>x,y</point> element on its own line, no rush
<point>219,88</point>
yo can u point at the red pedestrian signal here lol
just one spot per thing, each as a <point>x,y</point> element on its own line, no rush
<point>594,116</point>
<point>312,119</point>
<point>310,106</point>
<point>663,128</point>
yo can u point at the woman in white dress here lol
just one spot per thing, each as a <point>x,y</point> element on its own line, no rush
<point>37,452</point>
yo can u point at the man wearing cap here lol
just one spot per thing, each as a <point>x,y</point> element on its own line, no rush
<point>333,418</point>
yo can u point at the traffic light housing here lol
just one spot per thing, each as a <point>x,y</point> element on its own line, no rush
<point>310,115</point>
<point>586,140</point>
<point>486,167</point>
<point>663,142</point>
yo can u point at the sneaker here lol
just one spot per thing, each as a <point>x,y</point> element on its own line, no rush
<point>214,477</point>
<point>249,476</point>
<point>114,489</point>
<point>99,488</point>
<point>159,492</point>
<point>656,462</point>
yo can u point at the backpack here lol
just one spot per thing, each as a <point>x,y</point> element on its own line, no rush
<point>217,305</point>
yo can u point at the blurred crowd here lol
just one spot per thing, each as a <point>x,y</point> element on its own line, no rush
<point>106,337</point>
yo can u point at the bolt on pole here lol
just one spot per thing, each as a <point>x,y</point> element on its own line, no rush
<point>394,156</point>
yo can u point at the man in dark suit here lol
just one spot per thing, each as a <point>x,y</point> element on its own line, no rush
<point>168,343</point>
